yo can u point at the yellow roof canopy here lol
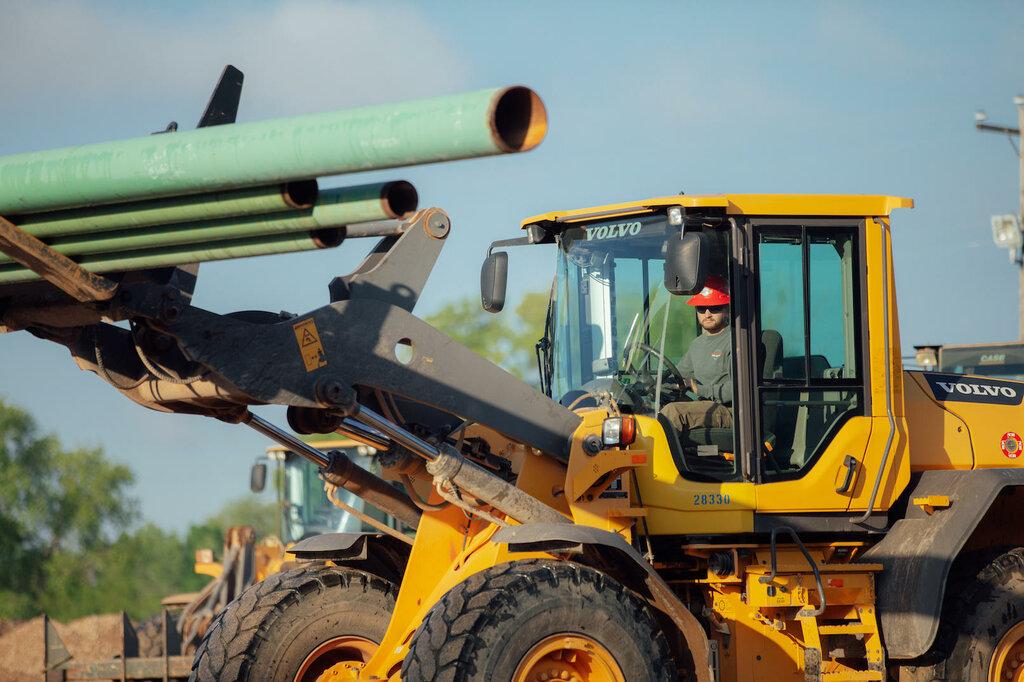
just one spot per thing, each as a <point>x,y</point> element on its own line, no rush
<point>741,204</point>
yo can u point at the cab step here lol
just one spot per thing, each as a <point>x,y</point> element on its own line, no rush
<point>852,676</point>
<point>857,628</point>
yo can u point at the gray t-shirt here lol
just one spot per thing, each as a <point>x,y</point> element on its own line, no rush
<point>709,361</point>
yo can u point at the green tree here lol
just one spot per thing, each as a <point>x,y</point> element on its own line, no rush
<point>506,340</point>
<point>132,573</point>
<point>54,503</point>
<point>246,511</point>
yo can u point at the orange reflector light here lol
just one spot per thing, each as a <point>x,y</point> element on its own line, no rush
<point>628,432</point>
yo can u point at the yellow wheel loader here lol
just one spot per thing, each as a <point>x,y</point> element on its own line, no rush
<point>842,519</point>
<point>165,644</point>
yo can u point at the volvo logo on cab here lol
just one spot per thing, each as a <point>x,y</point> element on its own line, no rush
<point>613,231</point>
<point>954,387</point>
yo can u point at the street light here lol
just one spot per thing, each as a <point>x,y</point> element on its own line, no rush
<point>1006,229</point>
<point>1007,235</point>
<point>927,357</point>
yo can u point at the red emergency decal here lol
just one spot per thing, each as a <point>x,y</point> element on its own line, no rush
<point>1011,444</point>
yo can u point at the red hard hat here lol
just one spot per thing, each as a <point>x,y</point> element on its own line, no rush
<point>715,292</point>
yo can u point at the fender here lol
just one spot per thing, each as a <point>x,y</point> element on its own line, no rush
<point>556,537</point>
<point>375,553</point>
<point>920,550</point>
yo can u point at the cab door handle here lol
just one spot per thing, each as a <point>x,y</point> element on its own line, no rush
<point>850,462</point>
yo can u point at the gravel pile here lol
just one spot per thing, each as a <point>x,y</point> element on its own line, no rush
<point>21,644</point>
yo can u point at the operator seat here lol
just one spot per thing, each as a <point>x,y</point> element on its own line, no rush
<point>684,450</point>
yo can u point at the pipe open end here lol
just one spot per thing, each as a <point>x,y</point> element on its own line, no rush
<point>300,194</point>
<point>399,198</point>
<point>327,238</point>
<point>519,120</point>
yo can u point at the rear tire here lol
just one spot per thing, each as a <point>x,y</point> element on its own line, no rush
<point>494,627</point>
<point>274,626</point>
<point>977,621</point>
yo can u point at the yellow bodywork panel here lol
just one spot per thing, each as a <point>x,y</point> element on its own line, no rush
<point>742,204</point>
<point>941,439</point>
<point>979,435</point>
<point>677,506</point>
<point>887,446</point>
<point>816,490</point>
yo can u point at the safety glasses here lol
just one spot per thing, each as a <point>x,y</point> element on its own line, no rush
<point>710,308</point>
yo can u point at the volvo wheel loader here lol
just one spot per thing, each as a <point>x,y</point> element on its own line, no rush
<point>855,522</point>
<point>163,646</point>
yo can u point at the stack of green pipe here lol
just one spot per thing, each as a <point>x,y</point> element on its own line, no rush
<point>169,211</point>
<point>216,192</point>
<point>208,240</point>
<point>178,255</point>
<point>261,153</point>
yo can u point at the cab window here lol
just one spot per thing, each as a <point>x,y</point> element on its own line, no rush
<point>616,330</point>
<point>810,379</point>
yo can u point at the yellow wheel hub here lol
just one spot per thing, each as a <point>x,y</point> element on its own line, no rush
<point>1008,658</point>
<point>568,658</point>
<point>336,660</point>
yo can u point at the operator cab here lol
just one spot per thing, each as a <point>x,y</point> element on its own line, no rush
<point>616,332</point>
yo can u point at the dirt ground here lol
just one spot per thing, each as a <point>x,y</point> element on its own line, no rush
<point>21,644</point>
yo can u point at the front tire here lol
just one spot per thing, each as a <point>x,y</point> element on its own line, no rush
<point>526,620</point>
<point>982,634</point>
<point>295,625</point>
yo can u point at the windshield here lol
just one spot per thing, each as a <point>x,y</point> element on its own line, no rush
<point>615,327</point>
<point>615,330</point>
<point>1002,361</point>
<point>306,509</point>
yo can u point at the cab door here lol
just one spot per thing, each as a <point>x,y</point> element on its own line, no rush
<point>812,420</point>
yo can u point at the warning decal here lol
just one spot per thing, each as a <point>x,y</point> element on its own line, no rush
<point>310,348</point>
<point>1011,444</point>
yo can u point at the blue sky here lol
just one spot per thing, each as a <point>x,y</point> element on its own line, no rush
<point>644,99</point>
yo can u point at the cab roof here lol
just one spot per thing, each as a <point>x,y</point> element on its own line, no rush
<point>740,204</point>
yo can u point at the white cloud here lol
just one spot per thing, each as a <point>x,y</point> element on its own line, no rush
<point>297,56</point>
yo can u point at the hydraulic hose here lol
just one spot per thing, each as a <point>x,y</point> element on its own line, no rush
<point>447,464</point>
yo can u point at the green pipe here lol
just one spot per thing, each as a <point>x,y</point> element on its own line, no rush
<point>248,201</point>
<point>190,253</point>
<point>246,154</point>
<point>334,208</point>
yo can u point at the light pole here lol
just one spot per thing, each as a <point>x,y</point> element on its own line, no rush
<point>1006,229</point>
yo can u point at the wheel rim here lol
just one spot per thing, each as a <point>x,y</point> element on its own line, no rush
<point>335,656</point>
<point>1008,657</point>
<point>572,658</point>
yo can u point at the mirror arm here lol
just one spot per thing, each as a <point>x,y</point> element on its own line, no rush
<point>519,241</point>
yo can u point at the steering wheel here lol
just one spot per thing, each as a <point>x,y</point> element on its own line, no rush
<point>646,382</point>
<point>682,382</point>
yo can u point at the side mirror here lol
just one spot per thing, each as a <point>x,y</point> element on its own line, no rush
<point>258,477</point>
<point>493,281</point>
<point>686,262</point>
